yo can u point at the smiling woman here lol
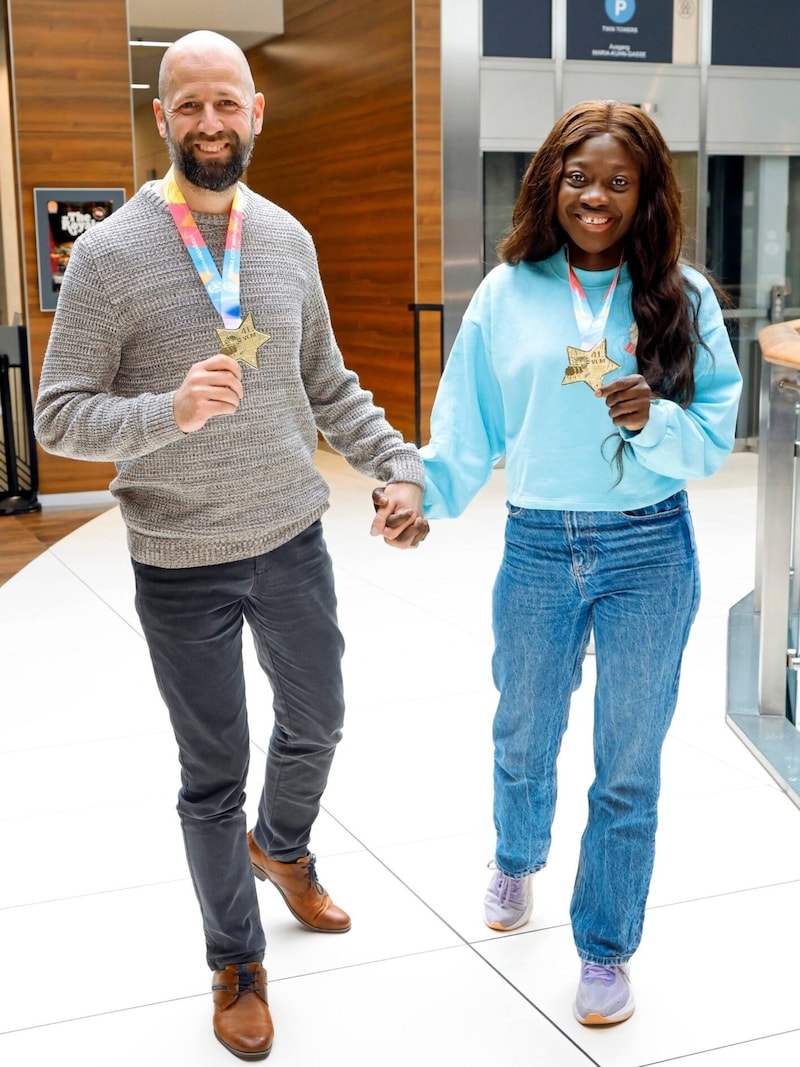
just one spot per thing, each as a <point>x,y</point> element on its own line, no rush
<point>597,201</point>
<point>598,535</point>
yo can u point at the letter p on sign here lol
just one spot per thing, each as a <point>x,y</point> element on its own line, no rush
<point>620,10</point>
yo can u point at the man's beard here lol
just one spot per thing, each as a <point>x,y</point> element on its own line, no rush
<point>212,173</point>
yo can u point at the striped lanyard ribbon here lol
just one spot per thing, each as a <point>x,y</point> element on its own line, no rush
<point>223,290</point>
<point>590,327</point>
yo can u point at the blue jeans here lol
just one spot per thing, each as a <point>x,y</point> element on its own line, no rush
<point>193,620</point>
<point>632,579</point>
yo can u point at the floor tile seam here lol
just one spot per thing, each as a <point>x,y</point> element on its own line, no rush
<point>685,798</point>
<point>725,893</point>
<point>338,853</point>
<point>126,621</point>
<point>540,1011</point>
<point>102,1014</point>
<point>496,938</point>
<point>442,949</point>
<point>771,783</point>
<point>467,944</point>
<point>391,844</point>
<point>95,893</point>
<point>272,982</point>
<point>429,907</point>
<point>85,809</point>
<point>689,1056</point>
<point>88,741</point>
<point>358,964</point>
<point>493,939</point>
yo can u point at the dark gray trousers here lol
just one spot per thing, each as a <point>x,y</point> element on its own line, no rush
<point>192,620</point>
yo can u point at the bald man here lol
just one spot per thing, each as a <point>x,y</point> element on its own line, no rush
<point>192,346</point>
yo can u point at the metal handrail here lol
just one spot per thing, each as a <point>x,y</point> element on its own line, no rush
<point>775,507</point>
<point>418,309</point>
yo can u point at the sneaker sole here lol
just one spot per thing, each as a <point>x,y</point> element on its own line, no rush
<point>514,926</point>
<point>593,1019</point>
<point>524,918</point>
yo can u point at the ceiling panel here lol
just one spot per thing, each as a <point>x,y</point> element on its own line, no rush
<point>248,23</point>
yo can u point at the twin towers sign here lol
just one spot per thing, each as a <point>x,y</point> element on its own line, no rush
<point>621,30</point>
<point>743,33</point>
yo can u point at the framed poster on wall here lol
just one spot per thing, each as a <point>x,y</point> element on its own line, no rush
<point>62,215</point>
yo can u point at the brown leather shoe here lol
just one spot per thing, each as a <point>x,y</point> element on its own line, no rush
<point>298,885</point>
<point>242,1022</point>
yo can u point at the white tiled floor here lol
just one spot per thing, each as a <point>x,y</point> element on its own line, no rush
<point>103,961</point>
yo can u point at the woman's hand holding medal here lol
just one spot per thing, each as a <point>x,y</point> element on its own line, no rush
<point>628,399</point>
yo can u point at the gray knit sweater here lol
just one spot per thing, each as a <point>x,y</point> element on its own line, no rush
<point>133,316</point>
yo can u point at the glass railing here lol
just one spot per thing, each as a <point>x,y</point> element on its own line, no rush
<point>764,627</point>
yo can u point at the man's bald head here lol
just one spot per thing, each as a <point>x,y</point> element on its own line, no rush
<point>208,111</point>
<point>197,49</point>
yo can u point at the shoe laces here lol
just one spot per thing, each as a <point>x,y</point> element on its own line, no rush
<point>509,889</point>
<point>598,972</point>
<point>311,868</point>
<point>245,980</point>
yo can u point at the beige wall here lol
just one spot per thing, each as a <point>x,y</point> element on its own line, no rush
<point>151,159</point>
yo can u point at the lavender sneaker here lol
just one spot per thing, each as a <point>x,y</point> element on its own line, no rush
<point>604,995</point>
<point>508,902</point>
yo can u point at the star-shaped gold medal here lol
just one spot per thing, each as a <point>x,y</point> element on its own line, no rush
<point>244,342</point>
<point>588,365</point>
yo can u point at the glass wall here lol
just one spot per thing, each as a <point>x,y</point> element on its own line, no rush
<point>502,175</point>
<point>753,249</point>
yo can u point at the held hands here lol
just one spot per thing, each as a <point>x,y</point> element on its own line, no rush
<point>210,388</point>
<point>628,400</point>
<point>398,515</point>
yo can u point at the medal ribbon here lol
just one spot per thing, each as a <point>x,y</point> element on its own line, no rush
<point>590,327</point>
<point>223,290</point>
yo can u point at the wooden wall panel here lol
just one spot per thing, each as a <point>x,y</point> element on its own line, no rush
<point>72,114</point>
<point>337,151</point>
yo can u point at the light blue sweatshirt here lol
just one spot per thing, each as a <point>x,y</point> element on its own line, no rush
<point>501,395</point>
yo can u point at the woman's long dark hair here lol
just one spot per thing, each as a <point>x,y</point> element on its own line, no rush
<point>665,313</point>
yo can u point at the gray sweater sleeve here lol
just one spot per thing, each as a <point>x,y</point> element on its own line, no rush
<point>77,413</point>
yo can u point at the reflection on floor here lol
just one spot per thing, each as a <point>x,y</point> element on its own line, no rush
<point>103,952</point>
